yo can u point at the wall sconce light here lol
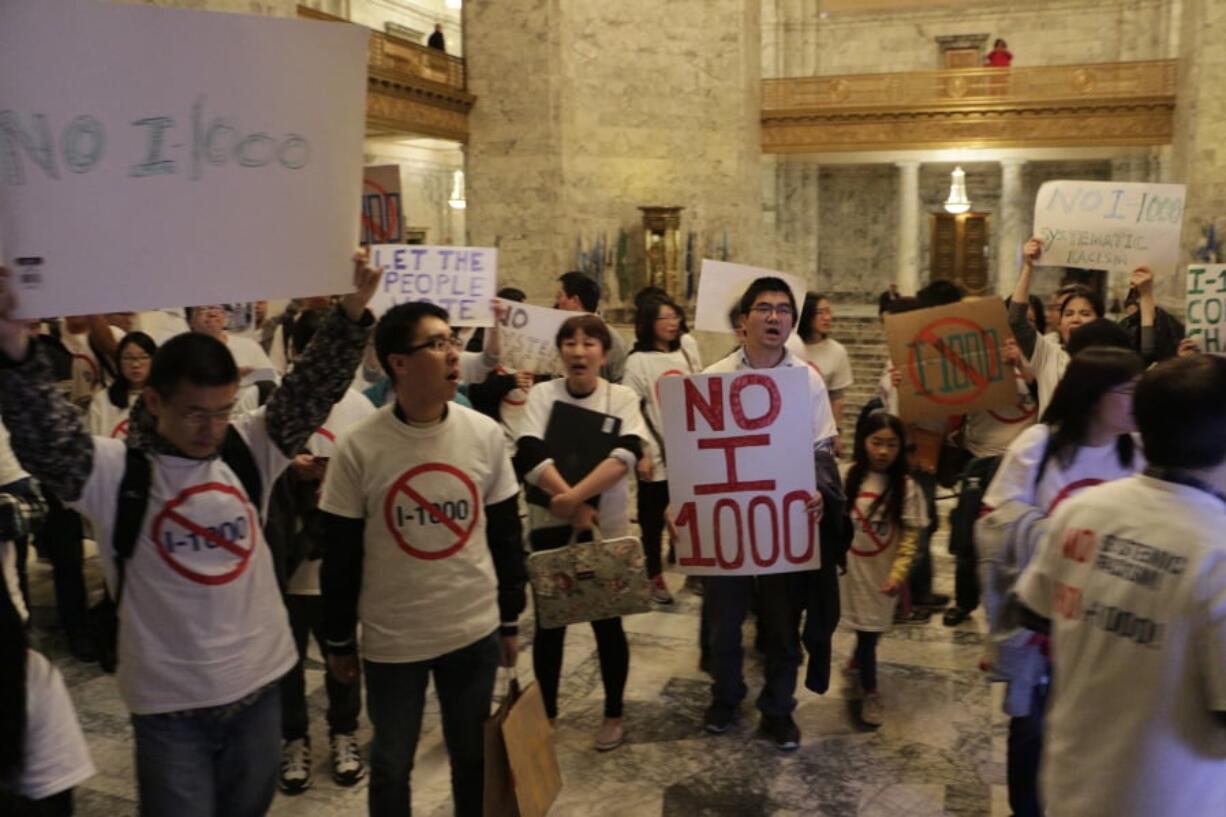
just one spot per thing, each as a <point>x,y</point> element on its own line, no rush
<point>957,201</point>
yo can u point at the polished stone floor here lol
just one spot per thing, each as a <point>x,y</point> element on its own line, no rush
<point>940,752</point>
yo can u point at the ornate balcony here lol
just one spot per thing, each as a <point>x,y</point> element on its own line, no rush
<point>411,88</point>
<point>1124,103</point>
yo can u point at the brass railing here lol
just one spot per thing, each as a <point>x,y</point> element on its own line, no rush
<point>388,53</point>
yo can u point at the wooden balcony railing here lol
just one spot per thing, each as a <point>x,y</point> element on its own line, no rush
<point>1128,103</point>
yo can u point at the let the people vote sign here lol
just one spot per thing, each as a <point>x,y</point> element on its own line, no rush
<point>175,156</point>
<point>950,358</point>
<point>1206,304</point>
<point>529,336</point>
<point>1113,226</point>
<point>740,470</point>
<point>461,280</point>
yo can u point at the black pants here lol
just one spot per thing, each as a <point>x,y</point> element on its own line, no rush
<point>962,518</point>
<point>653,499</point>
<point>344,700</point>
<point>920,580</point>
<point>548,643</point>
<point>966,578</point>
<point>866,659</point>
<point>780,605</point>
<point>57,805</point>
<point>60,541</point>
<point>1024,750</point>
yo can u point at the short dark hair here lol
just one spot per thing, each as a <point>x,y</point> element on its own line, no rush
<point>199,359</point>
<point>305,326</point>
<point>1178,407</point>
<point>1100,332</point>
<point>512,294</point>
<point>577,285</point>
<point>904,303</point>
<point>939,293</point>
<point>395,329</point>
<point>1072,291</point>
<point>590,325</point>
<point>767,283</point>
<point>808,312</point>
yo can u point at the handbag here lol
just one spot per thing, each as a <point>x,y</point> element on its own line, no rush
<point>522,778</point>
<point>589,581</point>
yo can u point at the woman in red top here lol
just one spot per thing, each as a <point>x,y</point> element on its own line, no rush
<point>999,56</point>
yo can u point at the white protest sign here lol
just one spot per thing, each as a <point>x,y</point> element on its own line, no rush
<point>721,286</point>
<point>178,157</point>
<point>1113,226</point>
<point>529,336</point>
<point>1207,306</point>
<point>737,481</point>
<point>461,280</point>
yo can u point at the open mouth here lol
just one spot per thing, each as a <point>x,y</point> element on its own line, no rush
<point>454,376</point>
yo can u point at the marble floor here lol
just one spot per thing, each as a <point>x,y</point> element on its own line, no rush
<point>940,752</point>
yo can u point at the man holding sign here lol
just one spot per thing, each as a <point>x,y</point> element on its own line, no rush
<point>785,572</point>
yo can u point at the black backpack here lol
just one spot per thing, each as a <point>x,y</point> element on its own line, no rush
<point>130,513</point>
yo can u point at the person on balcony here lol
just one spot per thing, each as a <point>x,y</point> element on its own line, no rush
<point>437,40</point>
<point>999,56</point>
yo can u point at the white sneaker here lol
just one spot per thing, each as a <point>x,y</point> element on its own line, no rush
<point>872,711</point>
<point>347,766</point>
<point>295,776</point>
<point>659,591</point>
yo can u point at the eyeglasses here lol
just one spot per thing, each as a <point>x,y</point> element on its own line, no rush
<point>766,310</point>
<point>668,317</point>
<point>199,419</point>
<point>438,343</point>
<point>135,358</point>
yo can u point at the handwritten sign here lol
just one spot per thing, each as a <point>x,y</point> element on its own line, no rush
<point>1207,306</point>
<point>721,286</point>
<point>1114,226</point>
<point>382,209</point>
<point>179,157</point>
<point>737,484</point>
<point>461,280</point>
<point>950,359</point>
<point>529,337</point>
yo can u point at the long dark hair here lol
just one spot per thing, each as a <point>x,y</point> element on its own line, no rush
<point>808,312</point>
<point>895,478</point>
<point>1091,374</point>
<point>13,656</point>
<point>645,324</point>
<point>120,391</point>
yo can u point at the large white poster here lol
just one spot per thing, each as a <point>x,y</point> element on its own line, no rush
<point>152,157</point>
<point>721,286</point>
<point>737,482</point>
<point>461,280</point>
<point>1114,226</point>
<point>529,336</point>
<point>1206,306</point>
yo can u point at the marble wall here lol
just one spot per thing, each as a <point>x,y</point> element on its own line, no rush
<point>588,109</point>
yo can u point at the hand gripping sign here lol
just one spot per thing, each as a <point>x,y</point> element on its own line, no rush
<point>950,358</point>
<point>740,470</point>
<point>431,510</point>
<point>208,533</point>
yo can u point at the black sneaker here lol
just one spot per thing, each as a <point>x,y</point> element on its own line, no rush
<point>781,731</point>
<point>935,601</point>
<point>718,718</point>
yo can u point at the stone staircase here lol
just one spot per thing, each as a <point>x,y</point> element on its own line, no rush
<point>864,338</point>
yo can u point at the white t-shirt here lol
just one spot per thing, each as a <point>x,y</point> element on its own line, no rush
<point>1133,578</point>
<point>87,373</point>
<point>248,354</point>
<point>56,757</point>
<point>201,619</point>
<point>644,371</point>
<point>105,420</point>
<point>823,417</point>
<point>873,550</point>
<point>428,582</point>
<point>1048,361</point>
<point>352,409</point>
<point>833,364</point>
<point>989,433</point>
<point>1092,466</point>
<point>608,398</point>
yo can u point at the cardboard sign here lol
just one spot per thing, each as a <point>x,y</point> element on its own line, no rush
<point>382,208</point>
<point>529,337</point>
<point>1114,226</point>
<point>461,280</point>
<point>1207,306</point>
<point>179,157</point>
<point>950,359</point>
<point>721,287</point>
<point>737,479</point>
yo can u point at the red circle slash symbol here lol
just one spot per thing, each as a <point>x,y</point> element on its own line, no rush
<point>398,519</point>
<point>869,528</point>
<point>931,336</point>
<point>215,554</point>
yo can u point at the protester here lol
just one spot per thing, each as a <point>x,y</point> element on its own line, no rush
<point>1153,333</point>
<point>248,354</point>
<point>422,546</point>
<point>579,293</point>
<point>1132,578</point>
<point>824,352</point>
<point>203,638</point>
<point>583,343</point>
<point>108,411</point>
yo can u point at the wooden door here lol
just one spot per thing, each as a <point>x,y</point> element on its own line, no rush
<point>959,250</point>
<point>962,58</point>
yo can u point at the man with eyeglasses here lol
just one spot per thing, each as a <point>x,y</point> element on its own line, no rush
<point>423,545</point>
<point>203,635</point>
<point>768,311</point>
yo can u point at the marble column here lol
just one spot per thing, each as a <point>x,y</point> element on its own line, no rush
<point>907,276</point>
<point>1011,225</point>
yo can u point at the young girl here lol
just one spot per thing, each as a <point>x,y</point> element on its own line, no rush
<point>888,514</point>
<point>657,354</point>
<point>1084,438</point>
<point>108,411</point>
<point>583,344</point>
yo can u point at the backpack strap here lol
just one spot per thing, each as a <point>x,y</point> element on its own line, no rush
<point>237,454</point>
<point>130,512</point>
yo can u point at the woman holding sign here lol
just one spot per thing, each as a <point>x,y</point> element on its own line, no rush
<point>657,354</point>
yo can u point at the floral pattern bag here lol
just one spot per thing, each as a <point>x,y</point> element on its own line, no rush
<point>590,581</point>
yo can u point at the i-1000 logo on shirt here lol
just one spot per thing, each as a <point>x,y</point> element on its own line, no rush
<point>207,533</point>
<point>879,531</point>
<point>431,510</point>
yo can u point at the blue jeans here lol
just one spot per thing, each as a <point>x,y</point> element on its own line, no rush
<point>216,761</point>
<point>395,700</point>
